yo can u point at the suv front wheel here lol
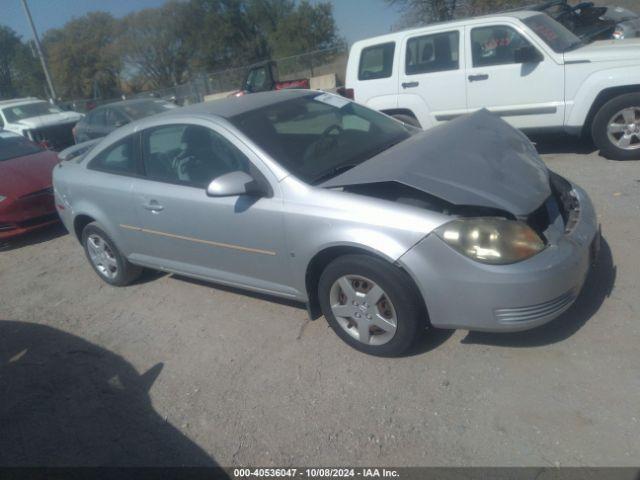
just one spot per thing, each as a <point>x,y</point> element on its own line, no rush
<point>616,128</point>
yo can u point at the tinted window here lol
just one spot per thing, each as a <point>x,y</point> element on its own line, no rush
<point>553,33</point>
<point>98,117</point>
<point>433,53</point>
<point>376,61</point>
<point>316,134</point>
<point>119,158</point>
<point>257,80</point>
<point>115,118</point>
<point>495,45</point>
<point>190,155</point>
<point>13,146</point>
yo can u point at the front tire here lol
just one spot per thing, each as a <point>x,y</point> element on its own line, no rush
<point>371,305</point>
<point>105,258</point>
<point>616,128</point>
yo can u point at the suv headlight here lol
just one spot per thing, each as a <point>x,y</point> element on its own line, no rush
<point>496,241</point>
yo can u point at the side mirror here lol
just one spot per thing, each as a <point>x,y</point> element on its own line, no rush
<point>233,184</point>
<point>120,123</point>
<point>527,54</point>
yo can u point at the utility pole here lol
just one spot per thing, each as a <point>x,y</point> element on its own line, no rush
<point>36,40</point>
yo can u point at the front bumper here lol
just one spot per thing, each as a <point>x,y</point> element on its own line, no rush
<point>462,293</point>
<point>28,213</point>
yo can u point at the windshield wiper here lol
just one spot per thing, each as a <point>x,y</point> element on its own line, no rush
<point>332,172</point>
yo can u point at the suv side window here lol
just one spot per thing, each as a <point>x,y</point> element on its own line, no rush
<point>119,158</point>
<point>433,53</point>
<point>495,45</point>
<point>376,62</point>
<point>189,155</point>
<point>98,117</point>
<point>115,118</point>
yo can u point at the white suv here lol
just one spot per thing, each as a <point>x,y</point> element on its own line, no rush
<point>524,66</point>
<point>39,121</point>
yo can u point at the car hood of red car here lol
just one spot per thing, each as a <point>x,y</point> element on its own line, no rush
<point>31,173</point>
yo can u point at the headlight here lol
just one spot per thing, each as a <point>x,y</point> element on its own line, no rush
<point>495,241</point>
<point>2,198</point>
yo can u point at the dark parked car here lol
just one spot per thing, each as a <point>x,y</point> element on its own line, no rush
<point>105,119</point>
<point>591,22</point>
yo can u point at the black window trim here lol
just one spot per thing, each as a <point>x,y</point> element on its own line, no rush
<point>370,47</point>
<point>456,31</point>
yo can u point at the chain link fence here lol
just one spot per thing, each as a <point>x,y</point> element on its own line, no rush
<point>306,65</point>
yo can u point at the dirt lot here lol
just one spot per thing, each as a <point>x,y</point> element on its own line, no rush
<point>171,371</point>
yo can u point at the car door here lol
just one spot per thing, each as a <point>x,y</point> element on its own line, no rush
<point>108,191</point>
<point>97,127</point>
<point>433,75</point>
<point>237,240</point>
<point>527,94</point>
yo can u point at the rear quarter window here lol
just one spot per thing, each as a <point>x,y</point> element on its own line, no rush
<point>376,61</point>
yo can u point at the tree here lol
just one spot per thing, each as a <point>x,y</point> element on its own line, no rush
<point>82,57</point>
<point>20,73</point>
<point>308,28</point>
<point>9,45</point>
<point>153,43</point>
<point>416,12</point>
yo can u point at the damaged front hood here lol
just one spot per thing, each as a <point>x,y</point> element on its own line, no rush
<point>476,160</point>
<point>42,121</point>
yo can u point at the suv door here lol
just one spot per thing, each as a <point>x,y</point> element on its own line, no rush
<point>528,94</point>
<point>433,74</point>
<point>237,240</point>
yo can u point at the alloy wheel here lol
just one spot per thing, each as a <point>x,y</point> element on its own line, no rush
<point>363,309</point>
<point>102,256</point>
<point>624,129</point>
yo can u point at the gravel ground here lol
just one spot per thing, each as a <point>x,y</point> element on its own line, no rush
<point>172,371</point>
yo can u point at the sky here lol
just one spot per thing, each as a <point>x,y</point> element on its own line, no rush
<point>356,19</point>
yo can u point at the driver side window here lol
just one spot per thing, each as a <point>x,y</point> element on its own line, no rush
<point>495,45</point>
<point>189,155</point>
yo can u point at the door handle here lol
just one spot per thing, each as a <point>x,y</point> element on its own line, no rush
<point>153,206</point>
<point>479,77</point>
<point>410,84</point>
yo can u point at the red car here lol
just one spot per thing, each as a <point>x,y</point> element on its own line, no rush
<point>26,194</point>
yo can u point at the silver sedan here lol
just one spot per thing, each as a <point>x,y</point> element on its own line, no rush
<point>384,229</point>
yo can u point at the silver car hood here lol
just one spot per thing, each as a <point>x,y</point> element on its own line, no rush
<point>475,160</point>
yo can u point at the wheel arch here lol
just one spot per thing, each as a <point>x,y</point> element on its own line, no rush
<point>324,257</point>
<point>80,222</point>
<point>602,98</point>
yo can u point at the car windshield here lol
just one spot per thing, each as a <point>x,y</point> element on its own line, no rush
<point>28,110</point>
<point>145,109</point>
<point>559,38</point>
<point>318,136</point>
<point>13,146</point>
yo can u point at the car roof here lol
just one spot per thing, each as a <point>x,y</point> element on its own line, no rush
<point>133,101</point>
<point>518,14</point>
<point>19,101</point>
<point>232,106</point>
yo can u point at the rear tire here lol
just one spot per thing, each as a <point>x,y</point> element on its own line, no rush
<point>105,258</point>
<point>372,305</point>
<point>616,128</point>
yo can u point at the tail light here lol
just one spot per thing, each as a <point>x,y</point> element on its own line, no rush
<point>346,92</point>
<point>45,144</point>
